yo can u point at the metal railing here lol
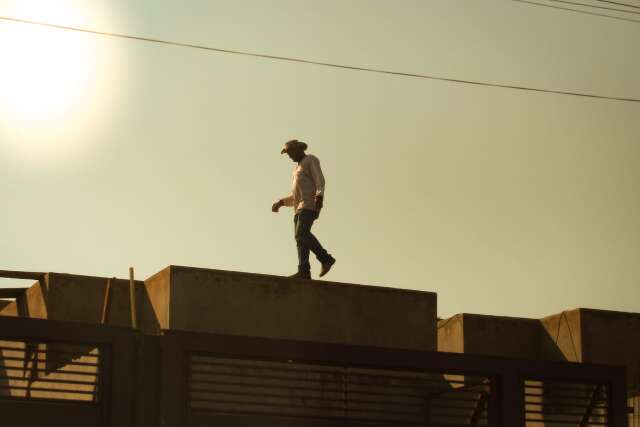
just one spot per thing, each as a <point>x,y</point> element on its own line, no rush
<point>566,403</point>
<point>325,391</point>
<point>237,381</point>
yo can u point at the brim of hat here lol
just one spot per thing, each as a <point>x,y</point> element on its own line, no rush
<point>284,150</point>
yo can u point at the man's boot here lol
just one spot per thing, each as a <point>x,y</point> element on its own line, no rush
<point>301,275</point>
<point>326,266</point>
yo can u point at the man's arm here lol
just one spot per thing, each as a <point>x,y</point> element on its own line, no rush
<point>318,180</point>
<point>285,201</point>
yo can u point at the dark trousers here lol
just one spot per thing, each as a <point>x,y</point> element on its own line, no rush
<point>306,242</point>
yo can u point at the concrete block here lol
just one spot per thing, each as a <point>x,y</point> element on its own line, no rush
<point>599,336</point>
<point>580,335</point>
<point>492,335</point>
<point>214,301</point>
<point>563,329</point>
<point>80,298</point>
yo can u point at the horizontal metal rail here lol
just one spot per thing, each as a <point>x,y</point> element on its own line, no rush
<point>12,292</point>
<point>12,274</point>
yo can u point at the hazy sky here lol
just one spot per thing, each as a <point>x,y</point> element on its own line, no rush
<point>121,153</point>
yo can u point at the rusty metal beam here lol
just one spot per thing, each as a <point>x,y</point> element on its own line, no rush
<point>592,405</point>
<point>12,292</point>
<point>11,274</point>
<point>132,299</point>
<point>480,407</point>
<point>106,301</point>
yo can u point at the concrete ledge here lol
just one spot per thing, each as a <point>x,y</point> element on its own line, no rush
<point>71,297</point>
<point>494,335</point>
<point>599,336</point>
<point>580,335</point>
<point>215,301</point>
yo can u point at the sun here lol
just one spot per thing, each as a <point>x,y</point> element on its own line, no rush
<point>50,79</point>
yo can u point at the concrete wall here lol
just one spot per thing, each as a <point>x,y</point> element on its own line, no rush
<point>233,303</point>
<point>81,298</point>
<point>488,335</point>
<point>491,335</point>
<point>580,335</point>
<point>157,291</point>
<point>612,337</point>
<point>599,336</point>
<point>41,384</point>
<point>30,304</point>
<point>565,332</point>
<point>451,334</point>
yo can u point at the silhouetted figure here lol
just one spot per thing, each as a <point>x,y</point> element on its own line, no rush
<point>306,198</point>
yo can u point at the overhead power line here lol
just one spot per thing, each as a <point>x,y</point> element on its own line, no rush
<point>324,64</point>
<point>620,4</point>
<point>578,11</point>
<point>615,9</point>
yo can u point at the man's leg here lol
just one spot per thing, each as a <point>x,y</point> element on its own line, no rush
<point>306,241</point>
<point>303,249</point>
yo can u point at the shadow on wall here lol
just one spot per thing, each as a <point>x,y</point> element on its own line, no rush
<point>561,337</point>
<point>82,299</point>
<point>549,335</point>
<point>4,382</point>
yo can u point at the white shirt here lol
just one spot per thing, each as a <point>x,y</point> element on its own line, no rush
<point>308,182</point>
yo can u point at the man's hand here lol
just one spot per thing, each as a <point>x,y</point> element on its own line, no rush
<point>277,205</point>
<point>319,202</point>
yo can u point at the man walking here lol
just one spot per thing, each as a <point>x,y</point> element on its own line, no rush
<point>306,198</point>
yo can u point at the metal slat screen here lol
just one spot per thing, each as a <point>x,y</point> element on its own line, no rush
<point>302,389</point>
<point>555,403</point>
<point>58,371</point>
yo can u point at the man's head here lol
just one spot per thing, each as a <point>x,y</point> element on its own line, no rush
<point>294,149</point>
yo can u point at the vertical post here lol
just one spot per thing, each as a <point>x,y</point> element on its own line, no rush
<point>618,416</point>
<point>103,390</point>
<point>132,299</point>
<point>105,303</point>
<point>493,409</point>
<point>122,392</point>
<point>511,395</point>
<point>174,400</point>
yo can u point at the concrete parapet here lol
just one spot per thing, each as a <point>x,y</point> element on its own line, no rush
<point>598,336</point>
<point>4,303</point>
<point>494,335</point>
<point>214,301</point>
<point>81,298</point>
<point>580,335</point>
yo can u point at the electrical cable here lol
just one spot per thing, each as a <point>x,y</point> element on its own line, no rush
<point>325,64</point>
<point>445,322</point>
<point>573,344</point>
<point>579,11</point>
<point>595,7</point>
<point>620,4</point>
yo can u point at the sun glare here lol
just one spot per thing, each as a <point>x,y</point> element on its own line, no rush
<point>50,80</point>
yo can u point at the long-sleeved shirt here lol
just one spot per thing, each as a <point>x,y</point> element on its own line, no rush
<point>308,182</point>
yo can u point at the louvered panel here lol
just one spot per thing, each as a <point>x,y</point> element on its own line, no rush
<point>58,371</point>
<point>300,389</point>
<point>555,403</point>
